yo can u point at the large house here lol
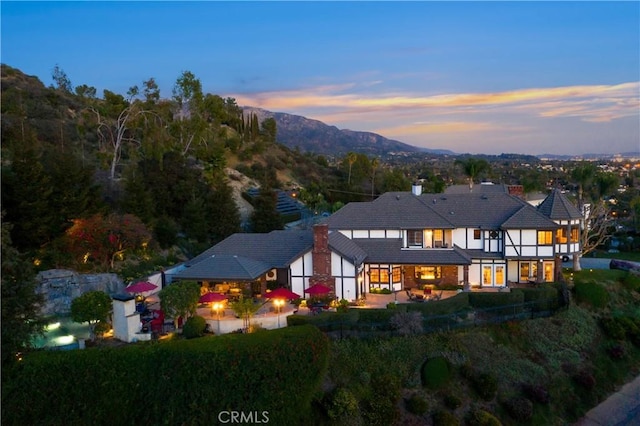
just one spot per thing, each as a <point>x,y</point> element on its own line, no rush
<point>482,237</point>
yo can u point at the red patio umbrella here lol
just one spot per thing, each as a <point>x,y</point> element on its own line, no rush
<point>141,287</point>
<point>212,298</point>
<point>318,289</point>
<point>282,293</point>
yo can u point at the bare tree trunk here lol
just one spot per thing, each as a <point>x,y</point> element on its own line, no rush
<point>576,262</point>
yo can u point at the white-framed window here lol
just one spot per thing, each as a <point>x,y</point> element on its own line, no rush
<point>415,238</point>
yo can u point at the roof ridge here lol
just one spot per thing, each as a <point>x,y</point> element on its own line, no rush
<point>422,201</point>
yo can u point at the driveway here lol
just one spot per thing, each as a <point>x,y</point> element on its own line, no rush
<point>589,263</point>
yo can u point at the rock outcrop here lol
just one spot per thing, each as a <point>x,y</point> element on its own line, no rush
<point>61,286</point>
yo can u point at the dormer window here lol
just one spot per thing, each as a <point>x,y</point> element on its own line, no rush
<point>414,238</point>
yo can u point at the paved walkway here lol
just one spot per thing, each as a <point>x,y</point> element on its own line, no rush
<point>620,409</point>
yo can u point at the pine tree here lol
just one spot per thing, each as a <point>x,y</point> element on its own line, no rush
<point>21,319</point>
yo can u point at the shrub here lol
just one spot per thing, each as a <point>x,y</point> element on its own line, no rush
<point>381,406</point>
<point>543,298</point>
<point>342,404</point>
<point>536,393</point>
<point>591,293</point>
<point>407,323</point>
<point>493,300</point>
<point>631,282</point>
<point>194,327</point>
<point>392,305</point>
<point>477,417</point>
<point>486,385</point>
<point>343,306</point>
<point>417,405</point>
<point>380,291</point>
<point>457,303</point>
<point>435,373</point>
<point>520,408</point>
<point>616,351</point>
<point>101,328</point>
<point>585,379</point>
<point>364,378</point>
<point>444,418</point>
<point>452,401</point>
<point>613,328</point>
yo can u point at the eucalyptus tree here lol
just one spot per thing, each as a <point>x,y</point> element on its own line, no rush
<point>117,125</point>
<point>189,125</point>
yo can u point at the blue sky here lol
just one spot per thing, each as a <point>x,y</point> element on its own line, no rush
<point>477,77</point>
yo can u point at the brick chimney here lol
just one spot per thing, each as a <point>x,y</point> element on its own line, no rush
<point>321,257</point>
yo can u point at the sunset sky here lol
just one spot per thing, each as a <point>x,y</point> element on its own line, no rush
<point>476,77</point>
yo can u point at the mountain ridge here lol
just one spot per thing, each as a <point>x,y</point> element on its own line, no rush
<point>310,135</point>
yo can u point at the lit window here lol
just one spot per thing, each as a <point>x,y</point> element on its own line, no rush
<point>545,238</point>
<point>561,235</point>
<point>428,272</point>
<point>575,235</point>
<point>476,234</point>
<point>379,275</point>
<point>396,273</point>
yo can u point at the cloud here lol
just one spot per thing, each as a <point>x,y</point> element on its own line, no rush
<point>472,121</point>
<point>422,128</point>
<point>589,102</point>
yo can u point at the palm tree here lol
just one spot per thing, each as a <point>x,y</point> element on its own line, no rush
<point>583,175</point>
<point>473,167</point>
<point>374,166</point>
<point>351,159</point>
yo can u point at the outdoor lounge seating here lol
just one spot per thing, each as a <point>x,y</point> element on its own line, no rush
<point>415,296</point>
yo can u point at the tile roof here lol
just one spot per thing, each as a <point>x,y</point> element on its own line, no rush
<point>277,248</point>
<point>529,218</point>
<point>403,210</point>
<point>392,210</point>
<point>483,211</point>
<point>557,207</point>
<point>387,250</point>
<point>347,248</point>
<point>225,267</point>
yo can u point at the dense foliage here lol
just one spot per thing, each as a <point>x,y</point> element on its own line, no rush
<point>20,302</point>
<point>539,371</point>
<point>177,382</point>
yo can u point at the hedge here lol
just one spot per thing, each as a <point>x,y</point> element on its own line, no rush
<point>543,298</point>
<point>450,305</point>
<point>187,382</point>
<point>494,300</point>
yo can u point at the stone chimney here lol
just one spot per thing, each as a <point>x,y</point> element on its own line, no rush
<point>321,257</point>
<point>416,189</point>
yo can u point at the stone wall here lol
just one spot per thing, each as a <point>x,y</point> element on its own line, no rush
<point>61,286</point>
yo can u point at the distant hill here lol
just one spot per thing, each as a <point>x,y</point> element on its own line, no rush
<point>315,136</point>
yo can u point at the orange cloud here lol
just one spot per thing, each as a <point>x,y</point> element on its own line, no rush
<point>573,101</point>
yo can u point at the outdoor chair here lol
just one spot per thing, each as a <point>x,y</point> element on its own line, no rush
<point>411,296</point>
